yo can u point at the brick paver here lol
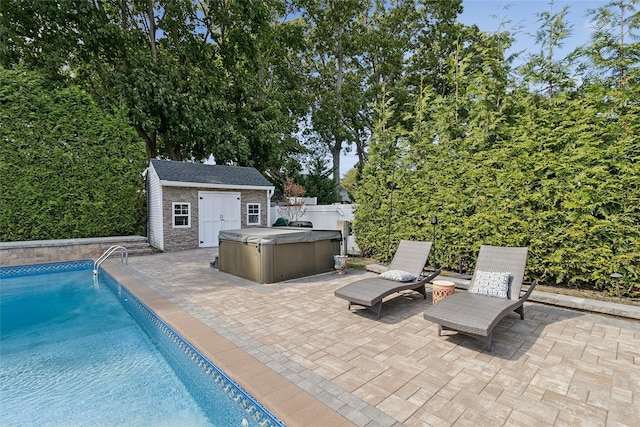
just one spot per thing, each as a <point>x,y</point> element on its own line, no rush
<point>557,367</point>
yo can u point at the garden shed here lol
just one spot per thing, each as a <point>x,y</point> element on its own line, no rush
<point>190,203</point>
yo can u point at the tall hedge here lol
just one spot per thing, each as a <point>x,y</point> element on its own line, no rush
<point>67,170</point>
<point>559,176</point>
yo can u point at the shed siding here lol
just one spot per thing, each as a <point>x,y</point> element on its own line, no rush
<point>154,200</point>
<point>179,239</point>
<point>254,196</point>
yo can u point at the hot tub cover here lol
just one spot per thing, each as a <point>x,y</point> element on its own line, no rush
<point>278,236</point>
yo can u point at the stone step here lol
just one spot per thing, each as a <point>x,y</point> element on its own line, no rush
<point>142,251</point>
<point>128,245</point>
<point>135,248</point>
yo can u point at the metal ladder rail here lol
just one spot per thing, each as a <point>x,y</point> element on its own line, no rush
<point>124,256</point>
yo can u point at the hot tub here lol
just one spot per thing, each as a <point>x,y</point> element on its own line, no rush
<point>268,255</point>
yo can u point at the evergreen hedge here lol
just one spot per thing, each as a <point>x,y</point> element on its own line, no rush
<point>67,169</point>
<point>559,176</point>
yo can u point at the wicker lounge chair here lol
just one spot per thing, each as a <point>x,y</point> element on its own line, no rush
<point>410,257</point>
<point>475,314</point>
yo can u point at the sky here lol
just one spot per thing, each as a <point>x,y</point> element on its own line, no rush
<point>519,17</point>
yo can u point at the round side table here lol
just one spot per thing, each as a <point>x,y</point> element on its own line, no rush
<point>442,289</point>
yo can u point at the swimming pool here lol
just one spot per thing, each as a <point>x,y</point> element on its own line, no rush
<point>75,352</point>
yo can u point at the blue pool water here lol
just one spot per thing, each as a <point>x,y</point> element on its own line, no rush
<point>77,352</point>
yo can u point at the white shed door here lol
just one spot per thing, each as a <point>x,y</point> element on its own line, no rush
<point>216,212</point>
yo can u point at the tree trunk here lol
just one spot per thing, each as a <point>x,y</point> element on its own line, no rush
<point>335,154</point>
<point>621,71</point>
<point>337,146</point>
<point>175,152</point>
<point>149,141</point>
<point>152,29</point>
<point>123,14</point>
<point>361,145</point>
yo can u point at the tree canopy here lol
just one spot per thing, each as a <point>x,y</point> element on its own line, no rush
<point>257,83</point>
<point>197,78</point>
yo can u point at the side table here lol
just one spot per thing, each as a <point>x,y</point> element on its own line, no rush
<point>442,289</point>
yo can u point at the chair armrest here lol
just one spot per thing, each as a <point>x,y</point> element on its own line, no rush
<point>431,275</point>
<point>528,292</point>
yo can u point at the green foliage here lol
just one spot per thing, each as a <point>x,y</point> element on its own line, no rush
<point>383,191</point>
<point>318,183</point>
<point>566,184</point>
<point>615,46</point>
<point>546,73</point>
<point>197,78</point>
<point>236,80</point>
<point>350,182</point>
<point>359,50</point>
<point>511,168</point>
<point>68,170</point>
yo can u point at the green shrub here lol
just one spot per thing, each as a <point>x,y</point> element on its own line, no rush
<point>68,170</point>
<point>560,177</point>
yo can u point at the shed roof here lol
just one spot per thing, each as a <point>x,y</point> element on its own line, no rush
<point>200,173</point>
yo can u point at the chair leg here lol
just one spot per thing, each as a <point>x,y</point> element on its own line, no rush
<point>439,330</point>
<point>489,345</point>
<point>379,309</point>
<point>423,291</point>
<point>520,311</point>
<point>349,308</point>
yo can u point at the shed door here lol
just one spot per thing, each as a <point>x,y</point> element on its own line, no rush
<point>217,211</point>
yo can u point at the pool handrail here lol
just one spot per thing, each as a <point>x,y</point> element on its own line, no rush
<point>124,257</point>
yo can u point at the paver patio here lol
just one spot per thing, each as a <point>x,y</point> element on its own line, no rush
<point>556,368</point>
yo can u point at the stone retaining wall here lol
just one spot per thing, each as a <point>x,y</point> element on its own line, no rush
<point>47,251</point>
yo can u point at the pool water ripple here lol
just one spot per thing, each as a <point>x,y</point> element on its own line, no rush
<point>79,361</point>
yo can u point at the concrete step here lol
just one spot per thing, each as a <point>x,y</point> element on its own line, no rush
<point>135,248</point>
<point>141,251</point>
<point>128,245</point>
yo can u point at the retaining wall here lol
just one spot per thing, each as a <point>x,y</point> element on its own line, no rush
<point>46,251</point>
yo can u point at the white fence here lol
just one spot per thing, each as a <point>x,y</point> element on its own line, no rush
<point>326,217</point>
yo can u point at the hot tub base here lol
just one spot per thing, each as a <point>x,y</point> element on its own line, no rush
<point>268,255</point>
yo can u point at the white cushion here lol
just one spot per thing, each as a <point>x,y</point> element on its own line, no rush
<point>491,284</point>
<point>398,276</point>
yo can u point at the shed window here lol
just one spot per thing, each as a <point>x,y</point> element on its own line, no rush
<point>253,213</point>
<point>181,215</point>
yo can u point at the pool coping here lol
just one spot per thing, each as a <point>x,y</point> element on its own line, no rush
<point>286,400</point>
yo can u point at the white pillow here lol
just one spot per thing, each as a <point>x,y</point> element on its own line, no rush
<point>398,276</point>
<point>491,284</point>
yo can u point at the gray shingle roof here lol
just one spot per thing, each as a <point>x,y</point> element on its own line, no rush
<point>201,173</point>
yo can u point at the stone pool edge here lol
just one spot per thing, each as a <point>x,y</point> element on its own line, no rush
<point>290,403</point>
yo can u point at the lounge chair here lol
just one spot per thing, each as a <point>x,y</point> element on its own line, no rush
<point>474,312</point>
<point>410,258</point>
